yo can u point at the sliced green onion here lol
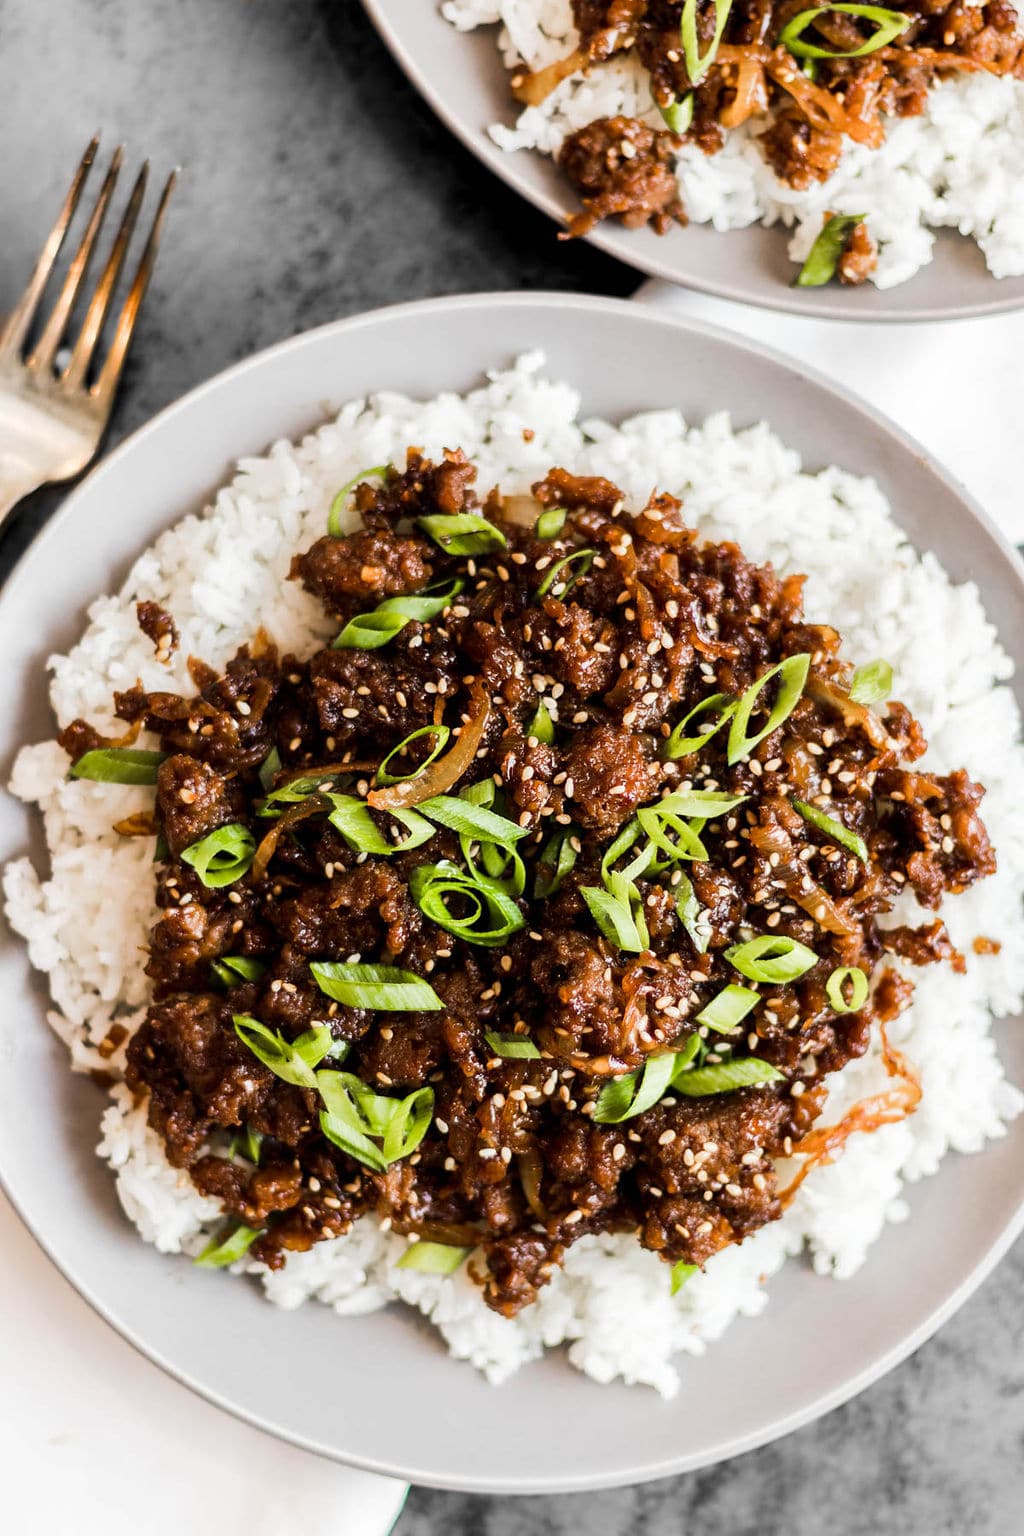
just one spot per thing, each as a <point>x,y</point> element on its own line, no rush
<point>858,989</point>
<point>462,533</point>
<point>248,1142</point>
<point>491,916</point>
<point>269,769</point>
<point>344,1123</point>
<point>682,1272</point>
<point>384,987</point>
<point>334,516</point>
<point>550,523</point>
<point>792,675</point>
<point>623,840</point>
<point>772,958</point>
<point>222,1251</point>
<point>369,631</point>
<point>565,583</point>
<point>727,1010</point>
<point>823,256</point>
<point>433,1258</point>
<point>697,65</point>
<point>657,824</point>
<point>471,820</point>
<point>617,909</point>
<point>501,866</point>
<point>408,1125</point>
<point>512,1047</point>
<point>709,803</point>
<point>441,734</point>
<point>222,857</point>
<point>351,817</point>
<point>541,727</point>
<point>637,1091</point>
<point>118,765</point>
<point>234,969</point>
<point>557,858</point>
<point>745,1072</point>
<point>871,682</point>
<point>678,114</point>
<point>293,793</point>
<point>833,829</point>
<point>889,25</point>
<point>354,1114</point>
<point>625,1097</point>
<point>691,914</point>
<point>681,745</point>
<point>290,1060</point>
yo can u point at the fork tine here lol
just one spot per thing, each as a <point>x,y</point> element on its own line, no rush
<point>101,299</point>
<point>45,350</point>
<point>103,389</point>
<point>13,333</point>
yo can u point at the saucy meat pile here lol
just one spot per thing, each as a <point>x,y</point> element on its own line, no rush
<point>543,901</point>
<point>812,75</point>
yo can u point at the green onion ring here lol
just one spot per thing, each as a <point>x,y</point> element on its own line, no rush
<point>871,683</point>
<point>858,989</point>
<point>550,523</point>
<point>792,675</point>
<point>338,504</point>
<point>829,245</point>
<point>118,765</point>
<point>889,24</point>
<point>223,856</point>
<point>697,65</point>
<point>433,1258</point>
<point>384,987</point>
<point>462,533</point>
<point>222,1251</point>
<point>772,958</point>
<point>512,1047</point>
<point>726,1076</point>
<point>726,1011</point>
<point>680,745</point>
<point>844,836</point>
<point>441,734</point>
<point>585,557</point>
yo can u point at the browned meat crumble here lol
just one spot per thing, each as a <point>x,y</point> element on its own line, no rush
<point>621,167</point>
<point>514,1162</point>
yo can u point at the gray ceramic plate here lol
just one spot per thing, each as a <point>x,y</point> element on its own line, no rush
<point>461,75</point>
<point>380,1391</point>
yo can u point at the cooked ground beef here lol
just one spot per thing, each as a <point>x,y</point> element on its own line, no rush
<point>620,166</point>
<point>156,623</point>
<point>521,1156</point>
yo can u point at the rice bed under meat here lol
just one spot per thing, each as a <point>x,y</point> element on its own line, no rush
<point>87,923</point>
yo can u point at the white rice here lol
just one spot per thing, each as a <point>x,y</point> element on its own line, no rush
<point>960,165</point>
<point>86,923</point>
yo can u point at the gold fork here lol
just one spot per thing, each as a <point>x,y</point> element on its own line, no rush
<point>51,421</point>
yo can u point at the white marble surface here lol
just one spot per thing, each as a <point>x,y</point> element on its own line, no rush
<point>308,161</point>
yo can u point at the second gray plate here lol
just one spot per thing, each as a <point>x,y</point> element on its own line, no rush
<point>462,77</point>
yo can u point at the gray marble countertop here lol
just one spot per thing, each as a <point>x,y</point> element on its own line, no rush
<point>307,159</point>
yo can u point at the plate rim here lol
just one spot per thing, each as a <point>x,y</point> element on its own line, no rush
<point>823,1402</point>
<point>614,241</point>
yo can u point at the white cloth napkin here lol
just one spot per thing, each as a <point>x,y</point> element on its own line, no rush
<point>955,385</point>
<point>99,1441</point>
